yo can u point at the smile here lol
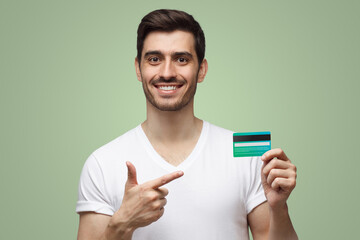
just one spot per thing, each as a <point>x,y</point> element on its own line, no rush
<point>168,87</point>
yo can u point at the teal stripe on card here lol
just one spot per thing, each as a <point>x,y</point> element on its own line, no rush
<point>251,133</point>
<point>250,151</point>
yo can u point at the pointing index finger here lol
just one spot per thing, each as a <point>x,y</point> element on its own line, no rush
<point>156,183</point>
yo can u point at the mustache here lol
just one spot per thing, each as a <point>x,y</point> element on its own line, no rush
<point>169,80</point>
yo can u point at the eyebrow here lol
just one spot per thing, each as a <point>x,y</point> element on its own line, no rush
<point>152,53</point>
<point>184,53</point>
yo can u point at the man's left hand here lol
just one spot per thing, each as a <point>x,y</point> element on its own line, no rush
<point>278,177</point>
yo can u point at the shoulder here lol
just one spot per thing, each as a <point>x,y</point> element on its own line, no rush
<point>117,147</point>
<point>221,140</point>
<point>219,134</point>
<point>218,129</point>
<point>107,163</point>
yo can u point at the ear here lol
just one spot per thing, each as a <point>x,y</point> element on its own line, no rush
<point>137,69</point>
<point>202,71</point>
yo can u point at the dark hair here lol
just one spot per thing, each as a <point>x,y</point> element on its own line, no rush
<point>167,20</point>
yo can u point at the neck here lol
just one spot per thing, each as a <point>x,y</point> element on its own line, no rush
<point>171,126</point>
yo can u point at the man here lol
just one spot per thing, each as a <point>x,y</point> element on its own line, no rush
<point>209,194</point>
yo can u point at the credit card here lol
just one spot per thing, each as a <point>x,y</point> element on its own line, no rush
<point>250,144</point>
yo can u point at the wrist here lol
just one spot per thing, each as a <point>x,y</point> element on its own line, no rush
<point>279,209</point>
<point>118,230</point>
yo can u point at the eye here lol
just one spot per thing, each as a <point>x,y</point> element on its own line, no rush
<point>154,59</point>
<point>182,60</point>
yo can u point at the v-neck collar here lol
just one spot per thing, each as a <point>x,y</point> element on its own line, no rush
<point>158,159</point>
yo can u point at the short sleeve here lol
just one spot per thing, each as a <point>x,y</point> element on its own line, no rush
<point>92,196</point>
<point>256,194</point>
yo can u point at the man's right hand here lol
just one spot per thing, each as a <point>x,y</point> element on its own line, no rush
<point>142,204</point>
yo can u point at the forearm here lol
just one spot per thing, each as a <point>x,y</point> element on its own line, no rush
<point>281,227</point>
<point>117,232</point>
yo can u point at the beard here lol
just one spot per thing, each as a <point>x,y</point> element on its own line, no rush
<point>168,104</point>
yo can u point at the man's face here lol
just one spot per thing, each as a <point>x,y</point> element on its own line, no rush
<point>169,69</point>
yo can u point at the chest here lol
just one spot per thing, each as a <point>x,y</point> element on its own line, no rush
<point>174,153</point>
<point>208,202</point>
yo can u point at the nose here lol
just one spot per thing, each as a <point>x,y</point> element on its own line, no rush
<point>168,70</point>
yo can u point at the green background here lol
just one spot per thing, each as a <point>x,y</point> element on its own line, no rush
<point>68,86</point>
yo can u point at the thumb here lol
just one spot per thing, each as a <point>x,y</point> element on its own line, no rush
<point>131,180</point>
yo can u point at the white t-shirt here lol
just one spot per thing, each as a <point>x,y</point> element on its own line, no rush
<point>211,200</point>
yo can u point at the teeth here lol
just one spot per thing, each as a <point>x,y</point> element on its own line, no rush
<point>167,88</point>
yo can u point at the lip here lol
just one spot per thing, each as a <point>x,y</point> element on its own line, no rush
<point>167,91</point>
